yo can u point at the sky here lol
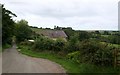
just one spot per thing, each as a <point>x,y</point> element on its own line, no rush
<point>78,14</point>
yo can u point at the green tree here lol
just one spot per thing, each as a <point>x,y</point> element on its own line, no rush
<point>82,35</point>
<point>106,33</point>
<point>97,32</point>
<point>96,53</point>
<point>69,32</point>
<point>59,44</point>
<point>23,31</point>
<point>115,39</point>
<point>7,25</point>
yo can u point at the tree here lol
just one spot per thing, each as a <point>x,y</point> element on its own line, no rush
<point>23,31</point>
<point>69,32</point>
<point>59,45</point>
<point>97,32</point>
<point>96,53</point>
<point>83,35</point>
<point>106,33</point>
<point>114,39</point>
<point>7,26</point>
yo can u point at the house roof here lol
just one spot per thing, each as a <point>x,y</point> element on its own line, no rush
<point>57,34</point>
<point>53,33</point>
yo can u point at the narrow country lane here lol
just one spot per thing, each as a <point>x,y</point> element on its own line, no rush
<point>14,62</point>
<point>0,62</point>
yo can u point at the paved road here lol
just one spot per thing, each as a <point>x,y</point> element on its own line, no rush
<point>0,63</point>
<point>14,62</point>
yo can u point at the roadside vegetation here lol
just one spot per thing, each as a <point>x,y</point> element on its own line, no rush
<point>83,52</point>
<point>8,27</point>
<point>6,46</point>
<point>70,66</point>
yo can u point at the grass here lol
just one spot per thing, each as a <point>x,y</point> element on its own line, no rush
<point>105,35</point>
<point>6,46</point>
<point>113,45</point>
<point>70,66</point>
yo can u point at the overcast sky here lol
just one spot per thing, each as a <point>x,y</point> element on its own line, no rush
<point>78,14</point>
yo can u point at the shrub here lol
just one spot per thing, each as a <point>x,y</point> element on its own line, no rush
<point>96,53</point>
<point>43,43</point>
<point>75,56</point>
<point>114,39</point>
<point>26,43</point>
<point>59,44</point>
<point>72,44</point>
<point>83,35</point>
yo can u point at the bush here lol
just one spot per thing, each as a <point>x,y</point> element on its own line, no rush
<point>72,44</point>
<point>43,43</point>
<point>114,39</point>
<point>83,35</point>
<point>96,53</point>
<point>59,45</point>
<point>75,56</point>
<point>90,51</point>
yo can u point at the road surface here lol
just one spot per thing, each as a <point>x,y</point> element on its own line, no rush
<point>0,63</point>
<point>14,62</point>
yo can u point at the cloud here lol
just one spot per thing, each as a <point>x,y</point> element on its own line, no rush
<point>79,14</point>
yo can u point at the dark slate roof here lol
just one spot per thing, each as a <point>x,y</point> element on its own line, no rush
<point>51,33</point>
<point>57,34</point>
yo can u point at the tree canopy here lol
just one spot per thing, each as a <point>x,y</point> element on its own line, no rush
<point>7,25</point>
<point>23,31</point>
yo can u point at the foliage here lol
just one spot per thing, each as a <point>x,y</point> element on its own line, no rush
<point>97,32</point>
<point>114,39</point>
<point>82,35</point>
<point>6,46</point>
<point>43,43</point>
<point>59,44</point>
<point>82,47</point>
<point>7,26</point>
<point>26,43</point>
<point>22,30</point>
<point>90,51</point>
<point>75,56</point>
<point>86,68</point>
<point>70,66</point>
<point>71,44</point>
<point>106,33</point>
<point>96,53</point>
<point>69,32</point>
